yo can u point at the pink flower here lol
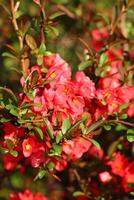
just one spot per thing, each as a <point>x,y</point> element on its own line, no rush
<point>76,105</point>
<point>76,147</point>
<point>105,177</point>
<point>29,146</point>
<point>41,104</point>
<point>109,82</point>
<point>59,71</point>
<point>84,86</point>
<point>62,164</point>
<point>130,111</point>
<point>126,93</point>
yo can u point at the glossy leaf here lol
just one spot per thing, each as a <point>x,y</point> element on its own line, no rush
<point>65,126</point>
<point>40,132</point>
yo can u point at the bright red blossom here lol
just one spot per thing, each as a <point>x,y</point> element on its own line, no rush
<point>27,195</point>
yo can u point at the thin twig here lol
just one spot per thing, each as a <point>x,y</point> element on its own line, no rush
<point>128,69</point>
<point>15,24</point>
<point>42,22</point>
<point>122,122</point>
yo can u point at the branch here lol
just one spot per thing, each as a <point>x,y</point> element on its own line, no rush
<point>14,22</point>
<point>122,122</point>
<point>42,22</point>
<point>128,69</point>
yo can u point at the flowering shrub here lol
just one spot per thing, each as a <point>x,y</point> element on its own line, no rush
<point>56,122</point>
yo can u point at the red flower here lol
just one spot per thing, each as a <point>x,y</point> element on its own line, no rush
<point>118,164</point>
<point>27,195</point>
<point>84,86</point>
<point>76,147</point>
<point>95,152</point>
<point>11,162</point>
<point>128,179</point>
<point>29,146</point>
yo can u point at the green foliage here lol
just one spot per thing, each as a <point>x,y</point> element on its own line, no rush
<point>65,126</point>
<point>130,135</point>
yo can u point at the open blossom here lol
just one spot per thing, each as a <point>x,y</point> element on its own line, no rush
<point>128,178</point>
<point>10,162</point>
<point>30,146</point>
<point>12,132</point>
<point>76,148</point>
<point>118,164</point>
<point>84,86</point>
<point>59,71</point>
<point>99,38</point>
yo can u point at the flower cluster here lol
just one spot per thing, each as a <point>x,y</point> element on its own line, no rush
<point>54,106</point>
<point>27,195</point>
<point>57,116</point>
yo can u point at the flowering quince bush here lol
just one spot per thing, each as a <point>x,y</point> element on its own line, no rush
<point>58,122</point>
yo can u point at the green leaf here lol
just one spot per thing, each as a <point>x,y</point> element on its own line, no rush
<point>34,78</point>
<point>103,59</point>
<point>13,153</point>
<point>94,126</point>
<point>106,19</point>
<point>60,1</point>
<point>120,127</point>
<point>4,150</point>
<point>31,42</point>
<point>95,143</point>
<point>40,60</point>
<point>57,149</point>
<point>54,30</point>
<point>14,112</point>
<point>59,136</point>
<point>8,93</point>
<point>18,14</point>
<point>107,127</point>
<point>42,49</point>
<point>49,128</point>
<point>65,125</point>
<point>123,116</point>
<point>50,166</point>
<point>39,131</point>
<point>40,174</point>
<point>83,65</point>
<point>113,147</point>
<point>123,106</point>
<point>26,27</point>
<point>9,55</point>
<point>56,14</point>
<point>17,180</point>
<point>130,135</point>
<point>2,120</point>
<point>78,193</point>
<point>71,129</point>
<point>10,144</point>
